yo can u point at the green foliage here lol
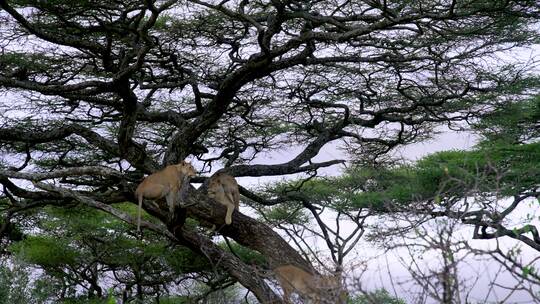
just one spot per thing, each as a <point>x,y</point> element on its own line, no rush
<point>504,168</point>
<point>18,287</point>
<point>385,185</point>
<point>291,213</point>
<point>498,167</point>
<point>380,296</point>
<point>45,251</point>
<point>227,295</point>
<point>357,188</point>
<point>527,270</point>
<point>13,285</point>
<point>12,231</point>
<point>182,260</point>
<point>85,300</point>
<point>247,255</point>
<point>164,22</point>
<point>176,300</point>
<point>80,238</point>
<point>516,122</point>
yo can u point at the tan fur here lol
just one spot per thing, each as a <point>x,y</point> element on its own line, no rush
<point>319,289</point>
<point>165,183</point>
<point>224,189</point>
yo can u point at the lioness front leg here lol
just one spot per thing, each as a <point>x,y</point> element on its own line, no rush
<point>230,209</point>
<point>171,201</point>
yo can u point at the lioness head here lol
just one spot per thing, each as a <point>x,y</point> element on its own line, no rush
<point>186,169</point>
<point>212,186</point>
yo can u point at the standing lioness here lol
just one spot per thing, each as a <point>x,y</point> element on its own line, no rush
<point>165,183</point>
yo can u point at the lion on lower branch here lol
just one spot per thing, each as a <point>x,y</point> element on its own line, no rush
<point>316,288</point>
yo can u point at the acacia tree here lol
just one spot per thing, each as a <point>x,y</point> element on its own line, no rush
<point>98,93</point>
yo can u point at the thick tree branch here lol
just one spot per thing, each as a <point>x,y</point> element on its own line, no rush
<point>292,166</point>
<point>78,171</point>
<point>244,230</point>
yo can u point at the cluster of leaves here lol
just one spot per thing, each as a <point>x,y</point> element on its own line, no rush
<point>499,167</point>
<point>82,246</point>
<point>379,296</point>
<point>19,286</point>
<point>513,123</point>
<point>14,286</point>
<point>73,248</point>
